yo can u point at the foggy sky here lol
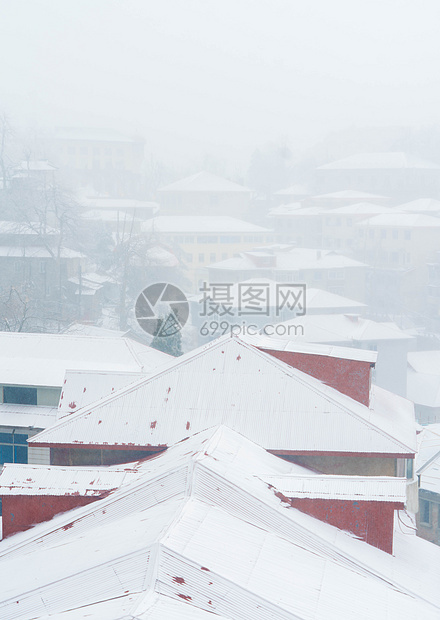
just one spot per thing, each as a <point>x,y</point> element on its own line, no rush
<point>220,76</point>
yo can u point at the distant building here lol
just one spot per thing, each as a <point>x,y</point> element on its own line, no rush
<point>106,161</point>
<point>204,194</point>
<point>428,475</point>
<point>202,240</point>
<point>322,269</point>
<point>394,174</point>
<point>399,247</point>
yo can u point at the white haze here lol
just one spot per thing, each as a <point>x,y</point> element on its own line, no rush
<point>198,76</point>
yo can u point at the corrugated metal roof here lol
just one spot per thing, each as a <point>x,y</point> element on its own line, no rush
<point>311,348</point>
<point>42,359</point>
<point>396,160</point>
<point>366,488</point>
<point>82,388</point>
<point>29,479</point>
<point>230,382</point>
<point>202,529</point>
<point>27,416</point>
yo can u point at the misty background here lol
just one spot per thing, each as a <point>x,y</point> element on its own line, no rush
<point>211,81</point>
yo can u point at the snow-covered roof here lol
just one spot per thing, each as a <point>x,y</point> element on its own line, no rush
<point>30,479</point>
<point>231,382</point>
<point>362,208</point>
<point>423,379</point>
<point>42,359</point>
<point>185,224</point>
<point>429,475</point>
<point>15,251</point>
<point>293,190</point>
<point>83,329</point>
<point>422,205</point>
<point>288,209</point>
<point>203,528</point>
<point>349,194</point>
<point>82,387</point>
<point>362,488</point>
<point>294,259</point>
<point>26,228</point>
<point>27,416</point>
<point>204,182</point>
<point>385,161</point>
<point>428,445</point>
<point>425,362</point>
<point>341,328</point>
<point>275,344</point>
<point>402,220</point>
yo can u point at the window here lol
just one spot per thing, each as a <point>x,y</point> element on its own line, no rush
<point>19,395</point>
<point>224,256</point>
<point>407,235</point>
<point>42,266</point>
<point>189,239</point>
<point>189,258</point>
<point>212,258</point>
<point>371,234</point>
<point>409,469</point>
<point>13,448</point>
<point>336,274</point>
<point>395,233</point>
<point>349,222</point>
<point>383,234</point>
<point>83,150</point>
<point>425,512</point>
<point>317,275</point>
<point>201,258</point>
<point>394,257</point>
<point>207,239</point>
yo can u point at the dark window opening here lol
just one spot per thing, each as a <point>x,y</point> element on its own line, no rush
<point>20,395</point>
<point>13,448</point>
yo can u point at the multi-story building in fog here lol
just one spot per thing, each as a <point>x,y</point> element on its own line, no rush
<point>202,240</point>
<point>104,161</point>
<point>205,193</point>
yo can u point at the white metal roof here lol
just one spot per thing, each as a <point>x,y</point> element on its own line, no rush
<point>349,194</point>
<point>293,190</point>
<point>27,416</point>
<point>116,204</point>
<point>204,182</point>
<point>429,475</point>
<point>201,527</point>
<point>276,344</point>
<point>428,446</point>
<point>14,251</point>
<point>372,161</point>
<point>82,388</point>
<point>367,488</point>
<point>26,228</point>
<point>186,224</point>
<point>16,479</point>
<point>233,383</point>
<point>42,359</point>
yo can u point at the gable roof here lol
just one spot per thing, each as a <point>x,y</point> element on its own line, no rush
<point>204,182</point>
<point>202,527</point>
<point>184,224</point>
<point>42,359</point>
<point>402,220</point>
<point>230,382</point>
<point>422,205</point>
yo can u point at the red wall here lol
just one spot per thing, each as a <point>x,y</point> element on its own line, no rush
<point>370,521</point>
<point>351,377</point>
<point>20,512</point>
